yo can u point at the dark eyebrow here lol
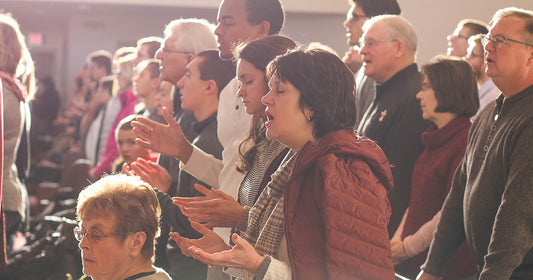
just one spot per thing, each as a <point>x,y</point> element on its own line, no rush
<point>224,18</point>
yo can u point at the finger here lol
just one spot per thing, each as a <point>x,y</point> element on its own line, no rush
<point>142,128</point>
<point>172,123</point>
<point>201,228</point>
<point>203,189</point>
<point>166,115</point>
<point>145,165</point>
<point>222,194</point>
<point>126,169</point>
<point>182,242</point>
<point>146,122</point>
<point>239,241</point>
<point>187,200</point>
<point>194,217</point>
<point>139,171</point>
<point>205,257</point>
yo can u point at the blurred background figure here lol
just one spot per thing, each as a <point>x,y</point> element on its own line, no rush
<point>146,83</point>
<point>475,55</point>
<point>18,86</point>
<point>128,149</point>
<point>147,47</point>
<point>458,40</point>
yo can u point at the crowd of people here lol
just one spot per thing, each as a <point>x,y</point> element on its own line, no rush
<point>233,152</point>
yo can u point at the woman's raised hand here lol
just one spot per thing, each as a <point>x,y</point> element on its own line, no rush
<point>215,209</point>
<point>210,241</point>
<point>242,255</point>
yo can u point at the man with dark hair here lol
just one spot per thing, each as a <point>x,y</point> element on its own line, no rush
<point>244,20</point>
<point>99,64</point>
<point>145,86</point>
<point>489,204</point>
<point>235,26</point>
<point>359,12</point>
<point>458,40</point>
<point>147,47</point>
<point>200,87</point>
<point>204,78</point>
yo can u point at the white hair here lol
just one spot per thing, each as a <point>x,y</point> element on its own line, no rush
<point>193,35</point>
<point>398,28</point>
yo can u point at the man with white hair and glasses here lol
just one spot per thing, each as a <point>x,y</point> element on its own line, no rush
<point>393,119</point>
<point>489,205</point>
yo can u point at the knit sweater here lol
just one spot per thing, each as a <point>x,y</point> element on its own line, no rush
<point>432,178</point>
<point>490,201</point>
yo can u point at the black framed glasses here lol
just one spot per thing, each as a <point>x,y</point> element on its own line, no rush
<point>93,236</point>
<point>498,41</point>
<point>354,16</point>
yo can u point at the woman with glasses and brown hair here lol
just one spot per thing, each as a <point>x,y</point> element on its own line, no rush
<point>449,97</point>
<point>119,221</point>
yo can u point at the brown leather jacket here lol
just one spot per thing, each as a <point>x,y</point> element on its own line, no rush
<point>337,211</point>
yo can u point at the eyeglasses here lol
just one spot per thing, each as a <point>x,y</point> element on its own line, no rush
<point>498,41</point>
<point>92,235</point>
<point>372,43</point>
<point>167,50</point>
<point>426,86</point>
<point>354,16</point>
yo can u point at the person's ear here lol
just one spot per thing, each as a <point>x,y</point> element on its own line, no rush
<point>399,48</point>
<point>212,87</point>
<point>530,58</point>
<point>308,113</point>
<point>136,242</point>
<point>263,28</point>
<point>155,82</point>
<point>190,57</point>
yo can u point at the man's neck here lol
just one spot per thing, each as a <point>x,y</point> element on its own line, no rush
<point>394,70</point>
<point>481,79</point>
<point>510,89</point>
<point>205,111</point>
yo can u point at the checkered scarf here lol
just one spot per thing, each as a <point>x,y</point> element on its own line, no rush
<point>266,221</point>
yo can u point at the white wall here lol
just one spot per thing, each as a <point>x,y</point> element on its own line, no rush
<point>434,20</point>
<point>72,34</point>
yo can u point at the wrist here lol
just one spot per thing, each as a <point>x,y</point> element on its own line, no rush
<point>256,264</point>
<point>185,153</point>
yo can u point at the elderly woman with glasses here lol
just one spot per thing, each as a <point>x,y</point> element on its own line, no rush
<point>119,221</point>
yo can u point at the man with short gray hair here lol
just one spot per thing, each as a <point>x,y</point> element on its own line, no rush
<point>489,204</point>
<point>393,119</point>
